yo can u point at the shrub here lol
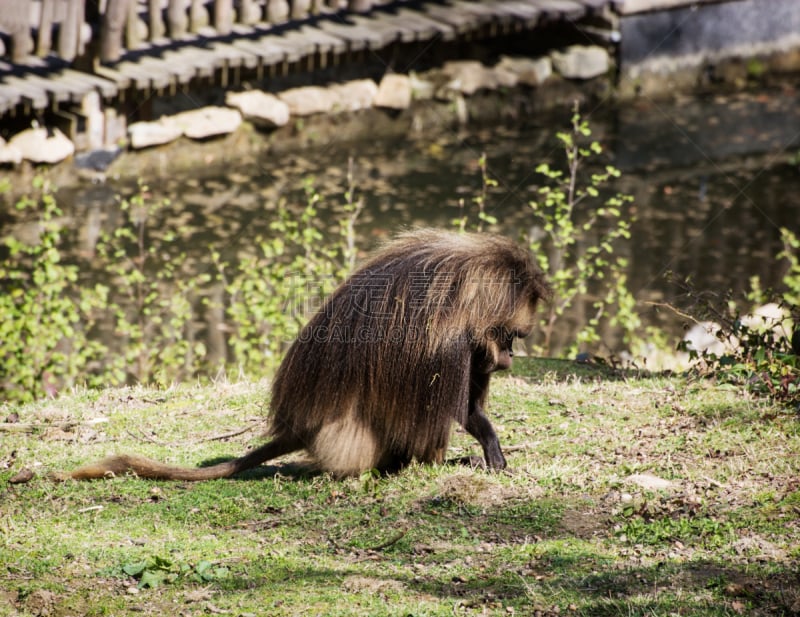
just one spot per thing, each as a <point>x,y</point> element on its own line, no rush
<point>43,342</point>
<point>144,299</point>
<point>577,232</point>
<point>760,353</point>
<point>272,293</point>
<point>152,310</point>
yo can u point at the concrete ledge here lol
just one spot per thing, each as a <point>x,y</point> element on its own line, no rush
<point>631,7</point>
<point>709,30</point>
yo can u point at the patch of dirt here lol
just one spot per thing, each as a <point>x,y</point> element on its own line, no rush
<point>585,525</point>
<point>8,598</point>
<point>474,490</point>
<point>41,602</point>
<point>364,584</point>
<point>765,595</point>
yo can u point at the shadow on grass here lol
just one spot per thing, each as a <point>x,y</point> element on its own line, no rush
<point>591,585</point>
<point>554,369</point>
<point>744,409</point>
<point>528,573</point>
<point>293,470</point>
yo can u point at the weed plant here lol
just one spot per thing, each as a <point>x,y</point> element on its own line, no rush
<point>579,231</point>
<point>43,329</point>
<point>761,353</point>
<point>576,242</point>
<point>137,323</point>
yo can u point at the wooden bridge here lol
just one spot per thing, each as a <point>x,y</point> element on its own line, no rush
<point>55,54</point>
<point>59,50</point>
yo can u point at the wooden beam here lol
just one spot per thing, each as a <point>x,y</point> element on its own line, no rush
<point>177,19</point>
<point>44,41</point>
<point>223,16</point>
<point>111,29</point>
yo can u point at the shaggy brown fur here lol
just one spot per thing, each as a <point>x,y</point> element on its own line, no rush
<point>397,353</point>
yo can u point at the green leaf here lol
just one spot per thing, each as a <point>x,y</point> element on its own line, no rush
<point>152,579</point>
<point>134,569</point>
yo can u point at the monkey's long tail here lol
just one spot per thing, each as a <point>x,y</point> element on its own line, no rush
<point>148,468</point>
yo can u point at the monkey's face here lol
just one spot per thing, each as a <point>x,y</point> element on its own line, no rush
<point>496,352</point>
<point>499,354</point>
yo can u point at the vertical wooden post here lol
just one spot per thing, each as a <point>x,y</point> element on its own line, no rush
<point>198,16</point>
<point>300,8</point>
<point>111,28</point>
<point>249,12</point>
<point>359,6</point>
<point>133,37</point>
<point>15,19</point>
<point>45,39</point>
<point>277,11</point>
<point>70,31</point>
<point>155,21</point>
<point>83,30</point>
<point>177,18</point>
<point>223,16</point>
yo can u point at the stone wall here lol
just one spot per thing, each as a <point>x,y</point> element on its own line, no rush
<point>676,49</point>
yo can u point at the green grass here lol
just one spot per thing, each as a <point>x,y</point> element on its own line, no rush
<point>563,532</point>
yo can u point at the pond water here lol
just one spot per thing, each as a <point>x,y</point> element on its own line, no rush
<point>714,179</point>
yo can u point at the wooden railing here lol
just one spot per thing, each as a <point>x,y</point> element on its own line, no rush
<point>100,30</point>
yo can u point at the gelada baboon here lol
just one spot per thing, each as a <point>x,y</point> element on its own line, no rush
<point>398,352</point>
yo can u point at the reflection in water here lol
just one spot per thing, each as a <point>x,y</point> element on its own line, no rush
<point>711,178</point>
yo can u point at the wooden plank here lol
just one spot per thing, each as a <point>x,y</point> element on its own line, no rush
<point>227,55</point>
<point>503,11</point>
<point>234,57</point>
<point>58,91</point>
<point>357,37</point>
<point>106,88</point>
<point>295,44</point>
<point>267,53</point>
<point>9,99</point>
<point>559,9</point>
<point>121,80</point>
<point>390,32</point>
<point>205,60</point>
<point>528,14</point>
<point>171,66</point>
<point>461,22</point>
<point>75,87</point>
<point>413,30</point>
<point>484,12</point>
<point>406,31</point>
<point>192,61</point>
<point>325,42</point>
<point>427,27</point>
<point>30,94</point>
<point>144,78</point>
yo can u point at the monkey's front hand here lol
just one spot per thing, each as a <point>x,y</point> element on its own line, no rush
<point>494,458</point>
